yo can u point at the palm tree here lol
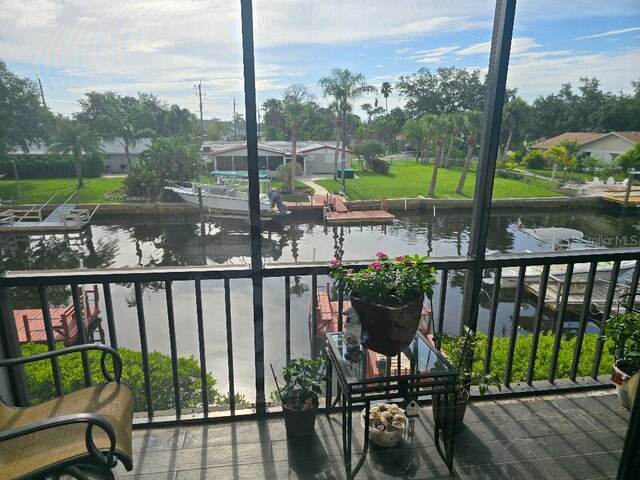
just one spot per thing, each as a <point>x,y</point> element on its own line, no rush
<point>179,121</point>
<point>385,90</point>
<point>76,139</point>
<point>440,127</point>
<point>515,112</point>
<point>471,127</point>
<point>345,87</point>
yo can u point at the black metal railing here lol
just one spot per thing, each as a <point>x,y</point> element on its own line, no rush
<point>228,277</point>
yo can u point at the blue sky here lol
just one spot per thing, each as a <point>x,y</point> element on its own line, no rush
<point>167,47</point>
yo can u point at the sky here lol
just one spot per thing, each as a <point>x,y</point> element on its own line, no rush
<point>168,47</point>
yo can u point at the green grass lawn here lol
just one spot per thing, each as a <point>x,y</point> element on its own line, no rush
<point>577,176</point>
<point>411,179</point>
<point>38,191</point>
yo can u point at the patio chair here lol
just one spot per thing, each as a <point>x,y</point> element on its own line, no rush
<point>86,429</point>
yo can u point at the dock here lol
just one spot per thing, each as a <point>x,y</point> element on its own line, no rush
<point>64,218</point>
<point>618,196</point>
<point>554,294</point>
<point>31,327</point>
<point>337,213</point>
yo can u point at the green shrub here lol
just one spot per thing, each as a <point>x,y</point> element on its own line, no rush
<point>380,166</point>
<point>535,160</point>
<point>50,166</point>
<point>41,386</point>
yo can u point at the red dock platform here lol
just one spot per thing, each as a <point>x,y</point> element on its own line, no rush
<point>337,213</point>
<point>30,321</point>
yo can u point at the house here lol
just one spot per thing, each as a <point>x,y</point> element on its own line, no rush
<point>315,157</point>
<point>603,146</point>
<point>115,160</point>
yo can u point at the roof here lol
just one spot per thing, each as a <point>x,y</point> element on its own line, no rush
<point>280,147</point>
<point>579,137</point>
<point>583,138</point>
<point>110,148</point>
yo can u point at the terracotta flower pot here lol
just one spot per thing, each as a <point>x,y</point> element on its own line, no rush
<point>390,329</point>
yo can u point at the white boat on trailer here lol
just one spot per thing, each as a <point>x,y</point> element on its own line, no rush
<point>558,239</point>
<point>228,195</point>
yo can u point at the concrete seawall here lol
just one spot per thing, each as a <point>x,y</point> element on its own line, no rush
<point>396,205</point>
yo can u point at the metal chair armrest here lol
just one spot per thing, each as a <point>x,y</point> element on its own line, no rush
<point>117,361</point>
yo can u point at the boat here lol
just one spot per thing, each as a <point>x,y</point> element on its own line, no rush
<point>228,195</point>
<point>558,238</point>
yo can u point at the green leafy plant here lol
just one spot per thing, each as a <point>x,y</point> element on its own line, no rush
<point>463,353</point>
<point>385,281</point>
<point>624,332</point>
<point>303,380</point>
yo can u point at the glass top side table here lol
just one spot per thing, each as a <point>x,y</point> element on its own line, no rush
<point>417,372</point>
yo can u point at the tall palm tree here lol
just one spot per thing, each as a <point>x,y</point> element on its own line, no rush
<point>440,129</point>
<point>76,139</point>
<point>345,87</point>
<point>515,113</point>
<point>471,126</point>
<point>385,90</point>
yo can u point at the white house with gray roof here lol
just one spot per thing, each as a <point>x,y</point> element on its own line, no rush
<point>315,157</point>
<point>603,146</point>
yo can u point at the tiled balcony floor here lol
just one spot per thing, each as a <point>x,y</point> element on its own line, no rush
<point>577,436</point>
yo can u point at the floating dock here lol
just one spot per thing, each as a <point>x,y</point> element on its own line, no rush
<point>618,197</point>
<point>555,287</point>
<point>31,327</point>
<point>64,218</point>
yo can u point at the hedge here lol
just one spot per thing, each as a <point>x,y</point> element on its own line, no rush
<point>50,166</point>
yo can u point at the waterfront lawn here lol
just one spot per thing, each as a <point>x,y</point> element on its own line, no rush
<point>578,176</point>
<point>38,191</point>
<point>410,179</point>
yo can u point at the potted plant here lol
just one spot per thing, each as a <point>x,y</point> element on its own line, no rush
<point>303,380</point>
<point>624,332</point>
<point>388,295</point>
<point>462,353</point>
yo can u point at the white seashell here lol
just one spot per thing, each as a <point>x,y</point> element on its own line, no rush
<point>383,407</point>
<point>394,409</point>
<point>381,428</point>
<point>398,425</point>
<point>398,418</point>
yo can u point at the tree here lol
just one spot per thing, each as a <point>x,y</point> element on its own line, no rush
<point>217,129</point>
<point>344,87</point>
<point>449,90</point>
<point>367,152</point>
<point>78,140</point>
<point>515,114</point>
<point>166,159</point>
<point>125,120</point>
<point>385,90</point>
<point>559,155</point>
<point>440,128</point>
<point>273,119</point>
<point>23,119</point>
<point>471,128</point>
<point>180,122</point>
<point>297,111</point>
<point>630,160</point>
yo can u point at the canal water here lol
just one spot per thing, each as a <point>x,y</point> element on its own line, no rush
<point>180,242</point>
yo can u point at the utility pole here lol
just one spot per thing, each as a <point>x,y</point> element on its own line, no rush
<point>201,119</point>
<point>235,123</point>
<point>44,104</point>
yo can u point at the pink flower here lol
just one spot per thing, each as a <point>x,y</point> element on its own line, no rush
<point>350,271</point>
<point>381,255</point>
<point>336,261</point>
<point>376,265</point>
<point>400,258</point>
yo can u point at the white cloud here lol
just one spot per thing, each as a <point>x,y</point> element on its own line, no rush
<point>611,32</point>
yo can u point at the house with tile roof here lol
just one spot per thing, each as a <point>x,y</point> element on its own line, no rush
<point>603,146</point>
<point>314,157</point>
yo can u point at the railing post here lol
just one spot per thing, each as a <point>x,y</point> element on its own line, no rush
<point>494,102</point>
<point>254,200</point>
<point>10,348</point>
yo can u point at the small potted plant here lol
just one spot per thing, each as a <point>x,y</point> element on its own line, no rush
<point>303,380</point>
<point>462,353</point>
<point>624,332</point>
<point>388,296</point>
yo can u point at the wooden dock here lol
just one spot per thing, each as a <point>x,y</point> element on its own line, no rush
<point>618,196</point>
<point>64,218</point>
<point>31,327</point>
<point>337,213</point>
<point>555,288</point>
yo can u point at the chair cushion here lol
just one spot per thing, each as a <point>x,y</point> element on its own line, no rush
<point>37,451</point>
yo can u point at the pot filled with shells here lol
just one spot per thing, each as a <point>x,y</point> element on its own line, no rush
<point>387,424</point>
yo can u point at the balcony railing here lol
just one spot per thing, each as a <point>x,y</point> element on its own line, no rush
<point>607,286</point>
